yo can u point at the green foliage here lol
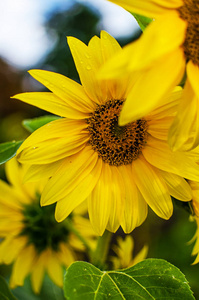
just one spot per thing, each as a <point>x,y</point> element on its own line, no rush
<point>33,124</point>
<point>142,21</point>
<point>8,150</point>
<point>150,279</point>
<point>5,293</point>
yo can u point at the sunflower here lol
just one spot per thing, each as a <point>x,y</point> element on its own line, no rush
<point>31,239</point>
<point>88,156</point>
<point>168,47</point>
<point>124,253</point>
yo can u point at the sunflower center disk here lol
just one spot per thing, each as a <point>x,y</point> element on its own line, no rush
<point>116,145</point>
<point>41,228</point>
<point>190,13</point>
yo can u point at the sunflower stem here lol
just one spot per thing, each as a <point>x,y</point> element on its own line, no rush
<point>100,254</point>
<point>72,229</point>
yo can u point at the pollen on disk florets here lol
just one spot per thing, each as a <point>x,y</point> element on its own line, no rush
<point>190,13</point>
<point>41,228</point>
<point>116,145</point>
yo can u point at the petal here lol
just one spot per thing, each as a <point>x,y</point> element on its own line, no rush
<point>153,188</point>
<point>38,172</point>
<point>149,8</point>
<point>117,87</point>
<point>38,272</point>
<point>159,128</point>
<point>72,171</point>
<point>167,34</point>
<point>51,103</point>
<point>169,107</point>
<point>135,207</point>
<point>55,270</point>
<point>71,92</point>
<point>52,142</point>
<point>79,194</point>
<point>117,195</point>
<point>87,67</point>
<point>183,124</point>
<point>10,248</point>
<point>152,86</point>
<point>22,266</point>
<point>99,206</point>
<point>193,76</point>
<point>158,154</point>
<point>178,187</point>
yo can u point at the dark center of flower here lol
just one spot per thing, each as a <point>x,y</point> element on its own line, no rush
<point>190,13</point>
<point>116,145</point>
<point>41,227</point>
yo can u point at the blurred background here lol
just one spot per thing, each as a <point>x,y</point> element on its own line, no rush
<point>33,35</point>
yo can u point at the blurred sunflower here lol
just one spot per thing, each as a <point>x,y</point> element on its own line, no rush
<point>88,156</point>
<point>31,239</point>
<point>168,47</point>
<point>124,253</point>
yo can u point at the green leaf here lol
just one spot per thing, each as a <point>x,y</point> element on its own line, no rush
<point>33,124</point>
<point>5,293</point>
<point>142,21</point>
<point>151,279</point>
<point>8,150</point>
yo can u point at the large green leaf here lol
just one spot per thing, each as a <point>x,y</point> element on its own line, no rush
<point>151,279</point>
<point>8,150</point>
<point>33,124</point>
<point>142,21</point>
<point>5,293</point>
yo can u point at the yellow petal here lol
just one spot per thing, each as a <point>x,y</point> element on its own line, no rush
<point>55,270</point>
<point>71,173</point>
<point>135,208</point>
<point>153,188</point>
<point>51,103</point>
<point>99,206</point>
<point>10,248</point>
<point>148,8</point>
<point>79,194</point>
<point>169,106</point>
<point>159,128</point>
<point>38,172</point>
<point>22,266</point>
<point>193,76</point>
<point>158,82</point>
<point>68,90</point>
<point>183,124</point>
<point>38,272</point>
<point>178,187</point>
<point>160,155</point>
<point>52,142</point>
<point>87,67</point>
<point>116,200</point>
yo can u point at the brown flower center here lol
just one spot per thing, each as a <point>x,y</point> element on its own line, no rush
<point>116,145</point>
<point>190,13</point>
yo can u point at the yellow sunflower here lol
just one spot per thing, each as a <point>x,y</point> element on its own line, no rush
<point>124,253</point>
<point>31,239</point>
<point>168,47</point>
<point>118,170</point>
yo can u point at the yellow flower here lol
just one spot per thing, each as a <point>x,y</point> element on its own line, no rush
<point>168,47</point>
<point>31,239</point>
<point>118,170</point>
<point>124,253</point>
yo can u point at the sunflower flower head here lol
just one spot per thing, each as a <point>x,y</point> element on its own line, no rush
<point>167,50</point>
<point>124,253</point>
<point>88,157</point>
<point>31,238</point>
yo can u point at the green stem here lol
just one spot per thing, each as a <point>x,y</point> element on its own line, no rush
<point>100,254</point>
<point>72,229</point>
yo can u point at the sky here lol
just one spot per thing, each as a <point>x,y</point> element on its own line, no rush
<point>23,41</point>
